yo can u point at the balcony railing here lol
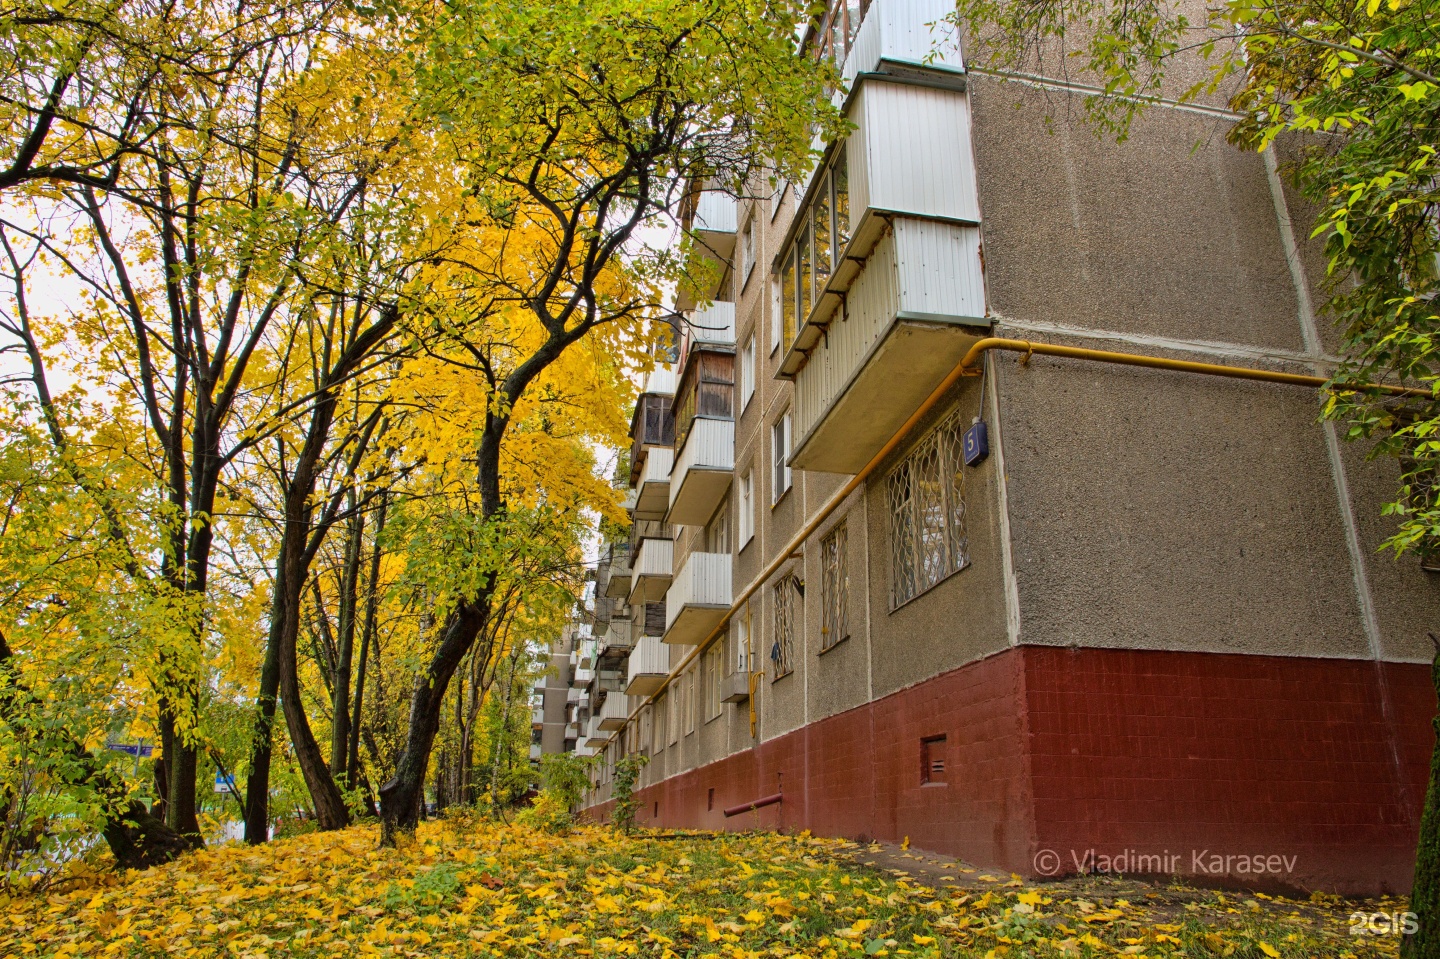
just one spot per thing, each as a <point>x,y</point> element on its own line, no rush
<point>911,314</point>
<point>653,568</point>
<point>710,217</point>
<point>594,735</point>
<point>648,666</point>
<point>614,713</point>
<point>698,598</point>
<point>652,483</point>
<point>702,472</point>
<point>714,325</point>
<point>617,583</point>
<point>615,645</point>
<point>899,36</point>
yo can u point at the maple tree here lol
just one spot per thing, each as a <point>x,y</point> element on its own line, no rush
<point>576,127</point>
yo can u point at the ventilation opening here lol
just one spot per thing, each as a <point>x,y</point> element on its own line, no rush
<point>710,800</point>
<point>932,760</point>
<point>657,809</point>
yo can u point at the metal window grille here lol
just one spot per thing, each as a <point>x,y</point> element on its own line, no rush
<point>834,589</point>
<point>926,496</point>
<point>786,615</point>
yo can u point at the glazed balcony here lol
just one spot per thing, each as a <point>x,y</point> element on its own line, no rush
<point>704,435</point>
<point>698,599</point>
<point>648,666</point>
<point>654,564</point>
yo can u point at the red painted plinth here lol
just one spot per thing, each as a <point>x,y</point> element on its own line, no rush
<point>1242,770</point>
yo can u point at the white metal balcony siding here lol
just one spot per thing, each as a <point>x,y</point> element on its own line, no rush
<point>698,598</point>
<point>653,490</point>
<point>615,711</point>
<point>653,567</point>
<point>714,324</point>
<point>702,471</point>
<point>661,380</point>
<point>714,213</point>
<point>911,152</point>
<point>924,269</point>
<point>904,31</point>
<point>648,666</point>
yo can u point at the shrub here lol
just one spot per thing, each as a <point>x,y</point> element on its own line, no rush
<point>627,773</point>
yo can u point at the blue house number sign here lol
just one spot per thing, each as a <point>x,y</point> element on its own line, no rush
<point>977,443</point>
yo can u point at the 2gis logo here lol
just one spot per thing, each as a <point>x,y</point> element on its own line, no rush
<point>1384,924</point>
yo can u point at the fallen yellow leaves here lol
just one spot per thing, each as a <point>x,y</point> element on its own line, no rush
<point>468,887</point>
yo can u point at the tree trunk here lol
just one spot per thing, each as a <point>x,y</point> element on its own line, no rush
<point>181,766</point>
<point>340,694</point>
<point>367,636</point>
<point>1424,942</point>
<point>290,574</point>
<point>400,798</point>
<point>257,785</point>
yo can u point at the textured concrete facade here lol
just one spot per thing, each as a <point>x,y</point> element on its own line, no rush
<point>1174,631</point>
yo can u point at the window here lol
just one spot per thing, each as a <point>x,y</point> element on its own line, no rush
<point>673,722</point>
<point>787,614</point>
<point>820,241</point>
<point>838,28</point>
<point>926,496</point>
<point>834,589</point>
<point>717,532</point>
<point>662,721</point>
<point>745,504</point>
<point>780,434</point>
<point>741,659</point>
<point>745,255</point>
<point>777,310</point>
<point>714,672</point>
<point>747,371</point>
<point>691,689</point>
<point>932,760</point>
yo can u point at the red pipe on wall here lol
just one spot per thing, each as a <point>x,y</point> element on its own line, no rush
<point>746,807</point>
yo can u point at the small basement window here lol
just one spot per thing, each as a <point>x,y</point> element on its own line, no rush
<point>932,760</point>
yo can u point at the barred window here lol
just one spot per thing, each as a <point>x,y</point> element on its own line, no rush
<point>834,589</point>
<point>787,615</point>
<point>926,496</point>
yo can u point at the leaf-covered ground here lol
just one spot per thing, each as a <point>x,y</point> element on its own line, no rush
<point>471,888</point>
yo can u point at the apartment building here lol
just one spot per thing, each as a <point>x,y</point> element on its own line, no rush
<point>1040,611</point>
<point>559,706</point>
